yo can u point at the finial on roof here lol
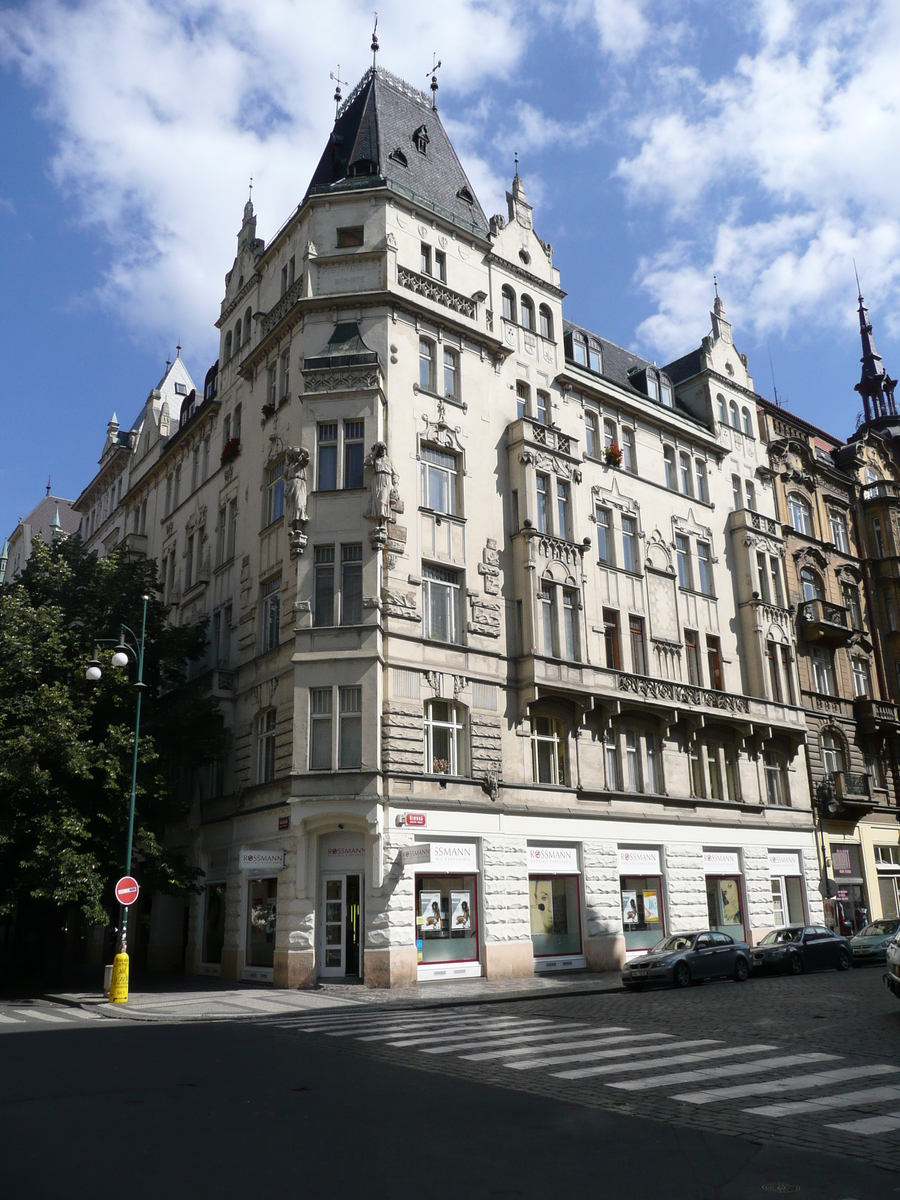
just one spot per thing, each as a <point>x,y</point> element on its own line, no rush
<point>434,82</point>
<point>178,350</point>
<point>168,364</point>
<point>338,95</point>
<point>48,485</point>
<point>875,386</point>
<point>374,46</point>
<point>716,286</point>
<point>114,420</point>
<point>56,523</point>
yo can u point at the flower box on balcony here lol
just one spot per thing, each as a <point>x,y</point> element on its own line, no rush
<point>613,455</point>
<point>230,451</point>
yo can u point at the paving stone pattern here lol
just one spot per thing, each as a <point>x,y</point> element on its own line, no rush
<point>811,1062</point>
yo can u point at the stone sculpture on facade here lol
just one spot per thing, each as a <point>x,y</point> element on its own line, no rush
<point>296,491</point>
<point>384,484</point>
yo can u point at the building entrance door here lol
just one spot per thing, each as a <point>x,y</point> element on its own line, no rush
<point>341,925</point>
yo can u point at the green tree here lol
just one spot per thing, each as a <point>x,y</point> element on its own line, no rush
<point>66,745</point>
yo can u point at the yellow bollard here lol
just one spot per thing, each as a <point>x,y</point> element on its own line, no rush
<point>118,989</point>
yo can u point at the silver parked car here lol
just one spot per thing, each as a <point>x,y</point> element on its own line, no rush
<point>687,958</point>
<point>892,978</point>
<point>871,943</point>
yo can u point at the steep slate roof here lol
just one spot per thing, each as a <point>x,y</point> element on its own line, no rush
<point>685,367</point>
<point>42,516</point>
<point>377,120</point>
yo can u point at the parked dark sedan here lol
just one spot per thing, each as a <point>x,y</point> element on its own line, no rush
<point>799,948</point>
<point>689,958</point>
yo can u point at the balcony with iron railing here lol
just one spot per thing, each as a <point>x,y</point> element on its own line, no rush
<point>823,621</point>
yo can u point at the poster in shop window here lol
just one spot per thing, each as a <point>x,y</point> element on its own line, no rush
<point>541,906</point>
<point>460,912</point>
<point>629,908</point>
<point>429,920</point>
<point>651,907</point>
<point>731,901</point>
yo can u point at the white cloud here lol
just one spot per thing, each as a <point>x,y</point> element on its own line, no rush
<point>775,174</point>
<point>163,111</point>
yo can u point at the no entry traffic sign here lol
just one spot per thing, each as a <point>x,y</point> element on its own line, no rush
<point>127,890</point>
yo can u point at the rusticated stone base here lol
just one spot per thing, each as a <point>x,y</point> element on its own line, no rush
<point>294,969</point>
<point>390,968</point>
<point>232,965</point>
<point>605,953</point>
<point>508,960</point>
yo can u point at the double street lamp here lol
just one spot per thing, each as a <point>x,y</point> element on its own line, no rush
<point>134,646</point>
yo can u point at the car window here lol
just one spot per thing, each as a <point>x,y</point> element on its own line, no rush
<point>722,939</point>
<point>810,934</point>
<point>703,943</point>
<point>823,932</point>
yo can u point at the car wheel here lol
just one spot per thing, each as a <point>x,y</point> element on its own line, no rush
<point>682,975</point>
<point>795,966</point>
<point>741,970</point>
<point>843,962</point>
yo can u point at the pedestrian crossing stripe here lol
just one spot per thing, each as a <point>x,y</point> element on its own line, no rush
<point>754,1068</point>
<point>791,1084</point>
<point>530,1064</point>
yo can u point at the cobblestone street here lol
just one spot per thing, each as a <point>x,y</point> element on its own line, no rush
<point>780,1059</point>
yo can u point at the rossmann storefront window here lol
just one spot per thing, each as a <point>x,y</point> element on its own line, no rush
<point>724,892</point>
<point>446,911</point>
<point>641,894</point>
<point>554,899</point>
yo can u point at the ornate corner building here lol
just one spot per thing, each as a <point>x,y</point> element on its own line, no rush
<point>507,624</point>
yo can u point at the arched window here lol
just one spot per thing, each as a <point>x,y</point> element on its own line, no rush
<point>832,753</point>
<point>548,749</point>
<point>595,362</point>
<point>800,514</point>
<point>579,349</point>
<point>227,345</point>
<point>629,452</point>
<point>546,322</point>
<point>445,741</point>
<point>509,303</point>
<point>671,473</point>
<point>811,585</point>
<point>735,418</point>
<point>527,313</point>
<point>247,318</point>
<point>748,424</point>
<point>237,335</point>
<point>723,409</point>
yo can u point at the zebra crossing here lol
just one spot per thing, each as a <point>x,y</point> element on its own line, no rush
<point>43,1015</point>
<point>691,1072</point>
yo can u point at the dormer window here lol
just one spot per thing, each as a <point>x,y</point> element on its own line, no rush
<point>398,156</point>
<point>363,166</point>
<point>465,195</point>
<point>668,396</point>
<point>579,349</point>
<point>595,362</point>
<point>420,139</point>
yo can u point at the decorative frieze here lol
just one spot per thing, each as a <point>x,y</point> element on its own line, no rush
<point>433,289</point>
<point>485,617</point>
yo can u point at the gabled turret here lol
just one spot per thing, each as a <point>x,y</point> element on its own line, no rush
<point>875,386</point>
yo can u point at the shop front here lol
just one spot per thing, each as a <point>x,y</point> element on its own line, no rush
<point>554,899</point>
<point>785,873</point>
<point>641,896</point>
<point>342,861</point>
<point>725,892</point>
<point>850,908</point>
<point>887,866</point>
<point>259,867</point>
<point>446,909</point>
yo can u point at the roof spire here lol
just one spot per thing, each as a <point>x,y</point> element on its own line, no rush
<point>374,46</point>
<point>434,82</point>
<point>716,286</point>
<point>875,385</point>
<point>48,485</point>
<point>178,350</point>
<point>338,95</point>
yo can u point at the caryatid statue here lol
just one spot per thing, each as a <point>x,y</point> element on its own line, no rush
<point>384,483</point>
<point>296,491</point>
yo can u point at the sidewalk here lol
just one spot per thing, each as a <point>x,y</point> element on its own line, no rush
<point>195,999</point>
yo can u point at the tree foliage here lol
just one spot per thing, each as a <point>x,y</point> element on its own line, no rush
<point>66,745</point>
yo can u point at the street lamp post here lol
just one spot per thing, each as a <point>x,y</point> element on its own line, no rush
<point>827,804</point>
<point>124,647</point>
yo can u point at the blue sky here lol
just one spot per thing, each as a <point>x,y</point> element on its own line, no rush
<point>660,142</point>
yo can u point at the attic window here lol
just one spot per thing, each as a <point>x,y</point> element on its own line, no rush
<point>363,166</point>
<point>465,195</point>
<point>180,389</point>
<point>421,139</point>
<point>350,236</point>
<point>398,156</point>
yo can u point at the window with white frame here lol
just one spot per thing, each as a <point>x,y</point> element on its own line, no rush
<point>285,365</point>
<point>543,407</point>
<point>777,789</point>
<point>595,359</point>
<point>320,726</point>
<point>508,299</point>
<point>750,490</point>
<point>427,371</point>
<point>527,309</point>
<point>638,644</point>
<point>327,445</point>
<point>629,451</point>
<point>837,524</point>
<point>704,568</point>
<point>850,595</point>
<point>683,557</point>
<point>737,502</point>
<point>630,558</point>
<point>570,623</point>
<point>579,349</point>
<point>633,781</point>
<point>271,613</point>
<point>862,679</point>
<point>701,479</point>
<point>274,495</point>
<point>591,439</point>
<point>667,396</point>
<point>548,748</point>
<point>265,746</point>
<point>546,318</point>
<point>523,398</point>
<point>735,416</point>
<point>687,485</point>
<point>549,638</point>
<point>747,422</point>
<point>722,409</point>
<point>800,514</point>
<point>563,510</point>
<point>445,738</point>
<point>451,373</point>
<point>442,592</point>
<point>610,436</point>
<point>604,536</point>
<point>323,586</point>
<point>350,729</point>
<point>671,473</point>
<point>811,585</point>
<point>822,662</point>
<point>611,756</point>
<point>832,753</point>
<point>542,485</point>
